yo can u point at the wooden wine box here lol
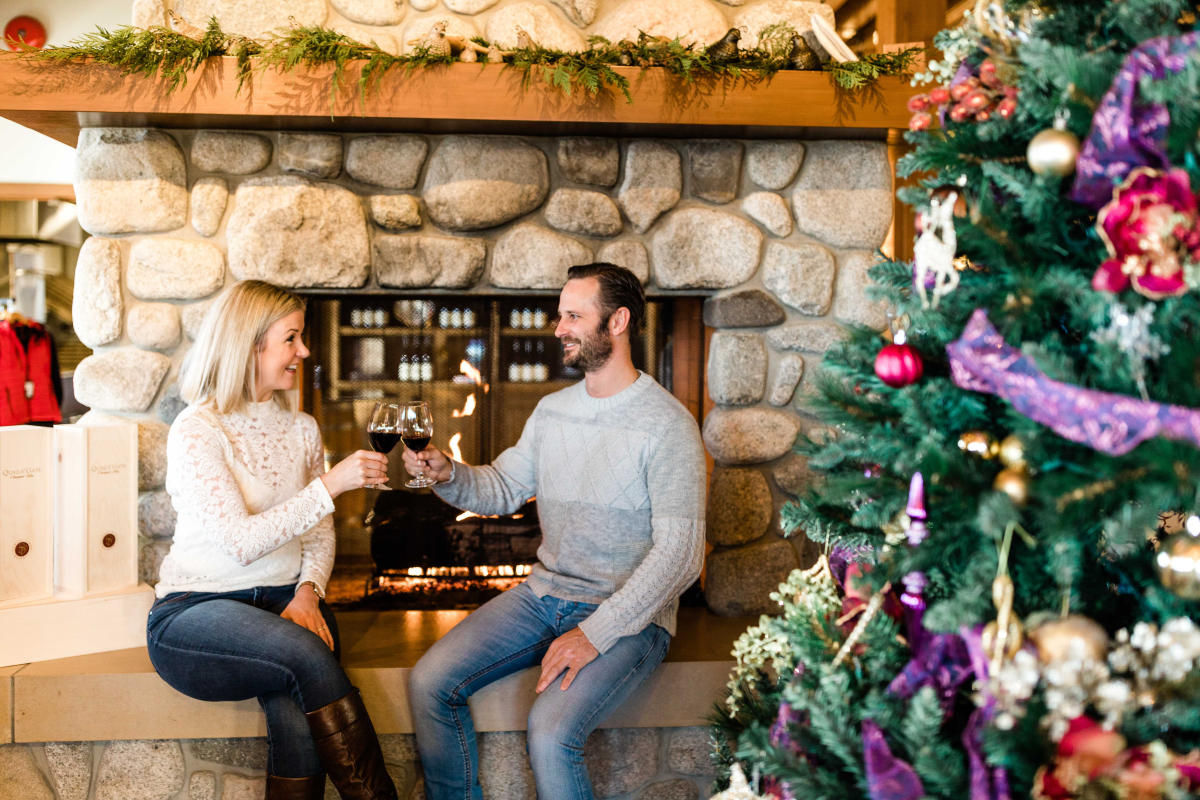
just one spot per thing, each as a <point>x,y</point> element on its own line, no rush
<point>96,532</point>
<point>26,513</point>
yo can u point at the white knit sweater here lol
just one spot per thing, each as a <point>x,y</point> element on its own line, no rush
<point>252,510</point>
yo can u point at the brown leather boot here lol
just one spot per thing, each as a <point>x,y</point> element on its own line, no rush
<point>349,750</point>
<point>310,788</point>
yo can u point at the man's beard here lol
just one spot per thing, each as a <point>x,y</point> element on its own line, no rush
<point>593,351</point>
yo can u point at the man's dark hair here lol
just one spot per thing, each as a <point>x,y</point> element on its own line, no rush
<point>618,287</point>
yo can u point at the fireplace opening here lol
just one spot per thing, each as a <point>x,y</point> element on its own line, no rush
<point>482,363</point>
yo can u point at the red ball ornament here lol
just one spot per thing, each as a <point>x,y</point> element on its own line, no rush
<point>899,365</point>
<point>25,30</point>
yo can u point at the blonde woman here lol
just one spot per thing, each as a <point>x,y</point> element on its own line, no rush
<point>239,612</point>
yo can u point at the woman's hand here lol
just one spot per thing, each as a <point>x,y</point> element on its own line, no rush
<point>435,463</point>
<point>360,468</point>
<point>305,611</point>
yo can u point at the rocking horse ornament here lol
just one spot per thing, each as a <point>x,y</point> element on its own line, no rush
<point>934,251</point>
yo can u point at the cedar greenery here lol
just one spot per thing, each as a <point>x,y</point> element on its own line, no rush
<point>163,53</point>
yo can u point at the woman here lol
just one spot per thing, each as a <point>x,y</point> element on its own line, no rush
<point>239,611</point>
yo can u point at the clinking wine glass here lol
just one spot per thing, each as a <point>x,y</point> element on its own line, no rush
<point>384,431</point>
<point>416,428</point>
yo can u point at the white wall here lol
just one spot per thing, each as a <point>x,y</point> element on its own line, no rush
<point>30,157</point>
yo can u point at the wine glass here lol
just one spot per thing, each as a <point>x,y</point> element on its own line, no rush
<point>416,428</point>
<point>384,431</point>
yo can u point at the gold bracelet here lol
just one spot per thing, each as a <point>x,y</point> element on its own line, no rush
<point>316,589</point>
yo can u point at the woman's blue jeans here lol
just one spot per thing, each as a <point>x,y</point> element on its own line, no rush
<point>234,646</point>
<point>509,633</point>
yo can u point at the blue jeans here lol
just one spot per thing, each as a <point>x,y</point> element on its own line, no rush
<point>509,633</point>
<point>234,646</point>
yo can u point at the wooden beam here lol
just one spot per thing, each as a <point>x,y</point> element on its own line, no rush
<point>909,20</point>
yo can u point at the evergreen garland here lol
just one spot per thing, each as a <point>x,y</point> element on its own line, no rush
<point>172,56</point>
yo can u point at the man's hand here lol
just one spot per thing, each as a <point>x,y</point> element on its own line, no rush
<point>435,463</point>
<point>571,652</point>
<point>305,611</point>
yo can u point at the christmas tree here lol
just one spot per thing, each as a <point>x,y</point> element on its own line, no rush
<point>1009,494</point>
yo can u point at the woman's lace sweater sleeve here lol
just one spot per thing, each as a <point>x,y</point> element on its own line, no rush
<point>204,489</point>
<point>318,546</point>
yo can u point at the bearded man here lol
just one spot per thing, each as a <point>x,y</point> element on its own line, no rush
<point>617,465</point>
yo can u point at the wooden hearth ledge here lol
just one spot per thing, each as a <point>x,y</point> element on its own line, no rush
<point>117,695</point>
<point>57,99</point>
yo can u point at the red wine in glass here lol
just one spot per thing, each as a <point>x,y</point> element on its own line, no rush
<point>416,426</point>
<point>415,443</point>
<point>383,431</point>
<point>383,442</point>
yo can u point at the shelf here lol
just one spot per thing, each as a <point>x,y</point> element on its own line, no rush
<point>396,330</point>
<point>527,331</point>
<point>57,99</point>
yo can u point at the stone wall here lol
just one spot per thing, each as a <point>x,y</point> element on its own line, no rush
<point>625,764</point>
<point>778,234</point>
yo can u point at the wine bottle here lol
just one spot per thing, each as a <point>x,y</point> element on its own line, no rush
<point>527,373</point>
<point>404,371</point>
<point>426,360</point>
<point>541,370</point>
<point>514,363</point>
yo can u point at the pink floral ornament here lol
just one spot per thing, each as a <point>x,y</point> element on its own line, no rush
<point>1152,230</point>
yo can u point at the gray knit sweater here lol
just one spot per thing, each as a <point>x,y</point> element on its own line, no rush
<point>620,493</point>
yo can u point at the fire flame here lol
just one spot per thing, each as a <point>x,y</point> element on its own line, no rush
<point>454,448</point>
<point>478,571</point>
<point>475,375</point>
<point>468,407</point>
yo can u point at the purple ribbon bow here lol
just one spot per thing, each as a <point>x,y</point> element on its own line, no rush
<point>980,360</point>
<point>888,777</point>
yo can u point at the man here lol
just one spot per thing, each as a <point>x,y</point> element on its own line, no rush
<point>618,469</point>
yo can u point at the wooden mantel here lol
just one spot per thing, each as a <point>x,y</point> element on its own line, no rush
<point>57,99</point>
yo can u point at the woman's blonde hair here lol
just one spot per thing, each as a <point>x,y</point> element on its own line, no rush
<point>220,367</point>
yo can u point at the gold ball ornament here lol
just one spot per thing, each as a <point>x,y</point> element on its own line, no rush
<point>1014,483</point>
<point>1178,561</point>
<point>1053,151</point>
<point>980,443</point>
<point>1012,451</point>
<point>1074,635</point>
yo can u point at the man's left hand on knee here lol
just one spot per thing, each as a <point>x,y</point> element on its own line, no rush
<point>571,652</point>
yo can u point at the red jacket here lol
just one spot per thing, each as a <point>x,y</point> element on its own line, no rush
<point>21,369</point>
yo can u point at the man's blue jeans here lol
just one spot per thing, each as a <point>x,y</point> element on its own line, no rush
<point>509,633</point>
<point>234,646</point>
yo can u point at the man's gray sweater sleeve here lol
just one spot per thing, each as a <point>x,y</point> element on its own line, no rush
<point>501,487</point>
<point>675,479</point>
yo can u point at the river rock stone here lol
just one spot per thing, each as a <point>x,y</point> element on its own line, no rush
<point>581,12</point>
<point>384,41</point>
<point>255,19</point>
<point>371,12</point>
<point>19,775</point>
<point>469,6</point>
<point>475,182</point>
<point>242,787</point>
<point>806,337</point>
<point>740,580</point>
<point>769,210</point>
<point>749,435</point>
<point>154,325</point>
<point>530,257</point>
<point>742,308</point>
<point>582,211</point>
<point>70,768</point>
<point>737,368</point>
<point>192,317</point>
<point>628,253</point>
<point>788,373</point>
<point>844,194</point>
<point>156,515</point>
<point>393,161</point>
<point>739,506</point>
<point>504,770</point>
<point>674,789</point>
<point>395,212</point>
<point>702,248</point>
<point>170,404</point>
<point>850,303</point>
<point>209,197</point>
<point>621,759</point>
<point>544,26</point>
<point>796,13</point>
<point>716,169</point>
<point>423,5</point>
<point>801,275</point>
<point>773,164</point>
<point>97,305</point>
<point>317,155</point>
<point>247,753</point>
<point>129,180</point>
<point>693,21</point>
<point>148,14</point>
<point>419,26</point>
<point>653,179</point>
<point>231,153</point>
<point>793,475</point>
<point>120,380</point>
<point>179,269</point>
<point>416,260</point>
<point>202,785</point>
<point>139,770</point>
<point>689,751</point>
<point>292,232</point>
<point>586,159</point>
